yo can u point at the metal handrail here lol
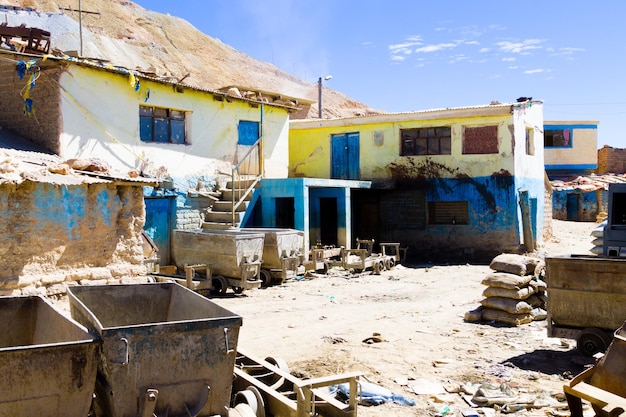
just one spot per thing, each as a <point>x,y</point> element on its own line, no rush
<point>237,197</point>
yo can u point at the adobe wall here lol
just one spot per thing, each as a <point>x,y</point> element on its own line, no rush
<point>43,125</point>
<point>58,235</point>
<point>611,160</point>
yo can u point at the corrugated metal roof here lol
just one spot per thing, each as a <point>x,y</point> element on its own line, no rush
<point>588,183</point>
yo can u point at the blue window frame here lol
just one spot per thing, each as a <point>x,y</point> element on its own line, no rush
<point>248,132</point>
<point>161,125</point>
<point>557,138</point>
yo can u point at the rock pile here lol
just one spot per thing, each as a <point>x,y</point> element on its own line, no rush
<point>515,292</point>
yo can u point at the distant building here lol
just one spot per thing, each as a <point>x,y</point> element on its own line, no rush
<point>611,160</point>
<point>570,147</point>
<point>458,182</point>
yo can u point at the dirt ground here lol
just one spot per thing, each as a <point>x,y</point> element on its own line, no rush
<point>319,325</point>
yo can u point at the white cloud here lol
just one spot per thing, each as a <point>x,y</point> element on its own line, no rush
<point>535,71</point>
<point>508,59</point>
<point>520,47</point>
<point>398,58</point>
<point>472,43</point>
<point>513,67</point>
<point>436,47</point>
<point>484,50</point>
<point>570,51</point>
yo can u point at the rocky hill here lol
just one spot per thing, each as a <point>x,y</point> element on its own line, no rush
<point>126,34</point>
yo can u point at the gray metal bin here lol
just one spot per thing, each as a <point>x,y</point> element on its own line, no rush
<point>48,362</point>
<point>166,350</point>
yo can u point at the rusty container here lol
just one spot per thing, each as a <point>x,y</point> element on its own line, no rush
<point>232,254</point>
<point>586,291</point>
<point>283,252</point>
<point>167,351</point>
<point>48,362</point>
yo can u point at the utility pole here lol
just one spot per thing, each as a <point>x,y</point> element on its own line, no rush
<point>80,20</point>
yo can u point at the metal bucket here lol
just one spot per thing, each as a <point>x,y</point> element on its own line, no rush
<point>48,362</point>
<point>166,350</point>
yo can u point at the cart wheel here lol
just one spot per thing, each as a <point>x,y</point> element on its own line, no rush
<point>241,410</point>
<point>260,411</point>
<point>266,278</point>
<point>280,364</point>
<point>592,340</point>
<point>250,398</point>
<point>238,290</point>
<point>389,263</point>
<point>378,266</point>
<point>326,268</point>
<point>220,285</point>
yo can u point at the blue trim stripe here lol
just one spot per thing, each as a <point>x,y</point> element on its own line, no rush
<point>559,127</point>
<point>572,166</point>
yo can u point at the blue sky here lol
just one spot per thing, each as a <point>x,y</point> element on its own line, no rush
<point>413,55</point>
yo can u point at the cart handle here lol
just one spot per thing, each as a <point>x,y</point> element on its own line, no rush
<point>126,356</point>
<point>228,349</point>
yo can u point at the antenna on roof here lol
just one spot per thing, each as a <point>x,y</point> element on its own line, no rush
<point>80,20</point>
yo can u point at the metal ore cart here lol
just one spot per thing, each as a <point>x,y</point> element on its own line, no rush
<point>167,351</point>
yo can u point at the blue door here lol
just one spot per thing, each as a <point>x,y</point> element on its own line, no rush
<point>159,225</point>
<point>572,206</point>
<point>345,156</point>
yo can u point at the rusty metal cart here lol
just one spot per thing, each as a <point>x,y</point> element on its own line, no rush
<point>586,299</point>
<point>48,362</point>
<point>283,253</point>
<point>603,385</point>
<point>167,351</point>
<point>234,257</point>
<point>362,258</point>
<point>270,389</point>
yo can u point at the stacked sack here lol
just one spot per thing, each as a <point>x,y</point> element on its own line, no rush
<point>515,293</point>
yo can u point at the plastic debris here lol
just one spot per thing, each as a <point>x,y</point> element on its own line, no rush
<point>372,394</point>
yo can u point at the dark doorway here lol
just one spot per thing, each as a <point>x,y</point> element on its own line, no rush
<point>328,221</point>
<point>285,217</point>
<point>572,206</point>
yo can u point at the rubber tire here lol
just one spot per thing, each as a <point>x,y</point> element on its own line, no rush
<point>378,266</point>
<point>238,290</point>
<point>390,264</point>
<point>591,341</point>
<point>280,364</point>
<point>220,285</point>
<point>266,278</point>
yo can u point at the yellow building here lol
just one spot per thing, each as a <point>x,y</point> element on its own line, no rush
<point>442,180</point>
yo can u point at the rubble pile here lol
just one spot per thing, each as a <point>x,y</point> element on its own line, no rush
<point>515,293</point>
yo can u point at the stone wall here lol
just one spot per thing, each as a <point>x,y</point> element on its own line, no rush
<point>43,125</point>
<point>611,160</point>
<point>60,235</point>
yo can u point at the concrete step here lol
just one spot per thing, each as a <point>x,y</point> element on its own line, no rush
<point>227,194</point>
<point>218,226</point>
<point>223,216</point>
<point>226,206</point>
<point>242,183</point>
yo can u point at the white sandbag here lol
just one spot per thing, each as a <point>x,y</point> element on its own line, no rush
<point>507,318</point>
<point>514,264</point>
<point>507,304</point>
<point>506,280</point>
<point>516,294</point>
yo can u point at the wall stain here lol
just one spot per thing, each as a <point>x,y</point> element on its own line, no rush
<point>433,176</point>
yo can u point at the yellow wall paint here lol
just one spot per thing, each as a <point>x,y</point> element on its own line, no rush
<point>310,148</point>
<point>583,152</point>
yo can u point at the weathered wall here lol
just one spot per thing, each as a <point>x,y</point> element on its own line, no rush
<point>611,160</point>
<point>58,235</point>
<point>43,125</point>
<point>581,155</point>
<point>578,205</point>
<point>101,119</point>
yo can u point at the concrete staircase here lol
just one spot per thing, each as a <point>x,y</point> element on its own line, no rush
<point>219,216</point>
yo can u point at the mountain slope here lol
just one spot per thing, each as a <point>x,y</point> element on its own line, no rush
<point>128,35</point>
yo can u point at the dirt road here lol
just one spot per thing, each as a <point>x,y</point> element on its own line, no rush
<point>324,325</point>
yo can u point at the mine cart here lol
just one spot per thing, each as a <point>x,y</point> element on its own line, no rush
<point>48,362</point>
<point>283,252</point>
<point>234,257</point>
<point>586,299</point>
<point>167,351</point>
<point>362,258</point>
<point>268,387</point>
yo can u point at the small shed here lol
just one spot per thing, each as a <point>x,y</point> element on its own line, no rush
<point>67,226</point>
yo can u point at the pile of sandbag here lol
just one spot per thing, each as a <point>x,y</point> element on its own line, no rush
<point>515,292</point>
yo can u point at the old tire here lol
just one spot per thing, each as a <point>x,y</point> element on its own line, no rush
<point>592,340</point>
<point>277,380</point>
<point>389,263</point>
<point>238,290</point>
<point>220,285</point>
<point>378,267</point>
<point>266,278</point>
